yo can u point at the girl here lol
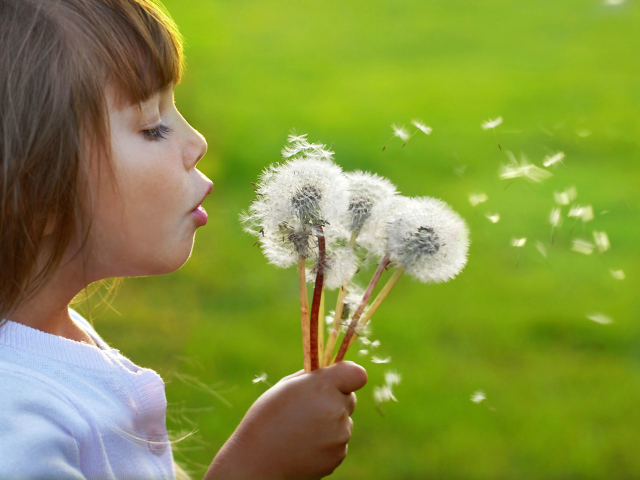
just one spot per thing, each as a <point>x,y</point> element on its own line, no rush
<point>98,179</point>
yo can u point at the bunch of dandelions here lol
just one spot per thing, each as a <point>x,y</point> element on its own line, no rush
<point>296,201</point>
<point>308,212</point>
<point>424,238</point>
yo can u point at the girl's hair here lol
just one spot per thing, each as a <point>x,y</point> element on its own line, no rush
<point>56,59</point>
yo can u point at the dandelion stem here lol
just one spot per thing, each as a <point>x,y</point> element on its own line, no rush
<point>335,326</point>
<point>321,327</point>
<point>304,313</point>
<point>356,316</point>
<point>317,296</point>
<point>379,299</point>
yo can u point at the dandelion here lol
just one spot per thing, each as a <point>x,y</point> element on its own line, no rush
<point>493,217</point>
<point>492,124</point>
<point>380,360</point>
<point>582,246</point>
<point>524,169</point>
<point>553,159</point>
<point>478,396</point>
<point>602,241</point>
<point>427,240</point>
<point>618,274</point>
<point>600,318</point>
<point>293,138</point>
<point>518,242</point>
<point>477,198</point>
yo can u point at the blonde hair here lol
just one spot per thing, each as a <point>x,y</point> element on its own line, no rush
<point>56,60</point>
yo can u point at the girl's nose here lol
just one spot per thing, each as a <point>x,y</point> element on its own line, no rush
<point>196,148</point>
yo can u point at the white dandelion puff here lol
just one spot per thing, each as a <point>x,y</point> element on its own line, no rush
<point>341,264</point>
<point>582,246</point>
<point>541,248</point>
<point>600,318</point>
<point>380,360</point>
<point>601,240</point>
<point>421,126</point>
<point>493,217</point>
<point>478,396</point>
<point>489,124</point>
<point>524,169</point>
<point>427,238</point>
<point>477,198</point>
<point>518,242</point>
<point>618,274</point>
<point>553,159</point>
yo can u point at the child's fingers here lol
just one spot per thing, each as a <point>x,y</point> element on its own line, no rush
<point>293,375</point>
<point>347,376</point>
<point>352,400</point>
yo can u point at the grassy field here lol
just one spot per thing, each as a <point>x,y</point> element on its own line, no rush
<point>562,391</point>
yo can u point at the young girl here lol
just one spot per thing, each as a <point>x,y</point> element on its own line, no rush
<point>98,179</point>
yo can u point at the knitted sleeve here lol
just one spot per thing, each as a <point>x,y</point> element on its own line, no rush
<point>38,430</point>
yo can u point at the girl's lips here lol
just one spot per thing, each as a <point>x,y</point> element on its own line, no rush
<point>200,215</point>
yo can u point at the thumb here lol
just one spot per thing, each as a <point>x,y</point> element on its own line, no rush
<point>347,376</point>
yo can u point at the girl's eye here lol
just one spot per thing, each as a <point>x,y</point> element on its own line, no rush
<point>158,133</point>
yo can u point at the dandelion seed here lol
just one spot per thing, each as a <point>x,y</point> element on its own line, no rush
<point>584,213</point>
<point>363,352</point>
<point>555,217</point>
<point>427,238</point>
<point>460,170</point>
<point>375,344</point>
<point>541,248</point>
<point>491,123</point>
<point>478,397</point>
<point>583,133</point>
<point>380,360</point>
<point>553,159</point>
<point>600,318</point>
<point>602,241</point>
<point>524,169</point>
<point>618,274</point>
<point>262,378</point>
<point>518,242</point>
<point>477,198</point>
<point>392,378</point>
<point>614,3</point>
<point>382,394</point>
<point>582,246</point>
<point>566,197</point>
<point>400,132</point>
<point>293,138</point>
<point>421,126</point>
<point>493,217</point>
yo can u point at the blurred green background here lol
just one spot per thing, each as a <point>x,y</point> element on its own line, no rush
<point>562,391</point>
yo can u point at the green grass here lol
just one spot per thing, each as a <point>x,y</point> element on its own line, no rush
<point>561,390</point>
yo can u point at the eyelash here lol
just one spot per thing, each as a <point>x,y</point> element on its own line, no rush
<point>158,133</point>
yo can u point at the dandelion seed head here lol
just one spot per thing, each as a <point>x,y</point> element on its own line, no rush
<point>553,159</point>
<point>293,138</point>
<point>618,274</point>
<point>428,238</point>
<point>369,199</point>
<point>493,217</point>
<point>600,318</point>
<point>400,132</point>
<point>489,124</point>
<point>341,265</point>
<point>478,396</point>
<point>518,242</point>
<point>421,126</point>
<point>477,198</point>
<point>601,240</point>
<point>582,246</point>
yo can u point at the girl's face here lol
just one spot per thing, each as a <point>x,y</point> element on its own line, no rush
<point>144,219</point>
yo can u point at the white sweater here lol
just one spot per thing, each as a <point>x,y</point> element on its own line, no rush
<point>69,410</point>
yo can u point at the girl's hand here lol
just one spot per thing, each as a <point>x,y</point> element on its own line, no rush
<point>298,429</point>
